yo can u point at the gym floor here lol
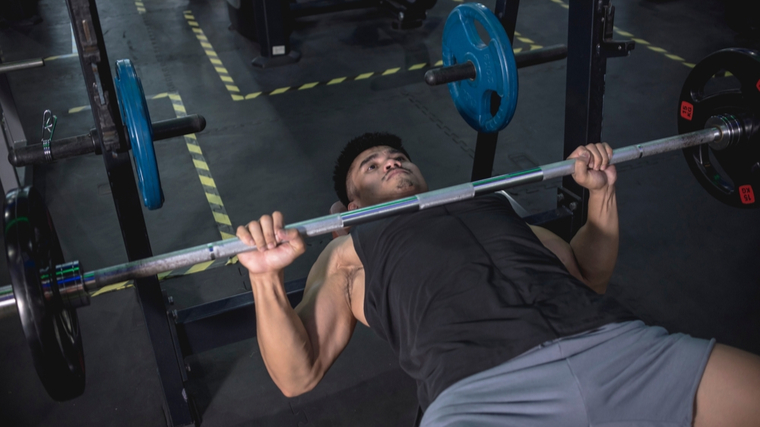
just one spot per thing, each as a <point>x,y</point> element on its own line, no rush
<point>687,262</point>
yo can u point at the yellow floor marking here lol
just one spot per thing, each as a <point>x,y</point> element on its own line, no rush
<point>336,81</point>
<point>200,164</point>
<point>232,88</point>
<point>535,46</point>
<point>78,109</point>
<point>208,182</point>
<point>213,198</point>
<point>280,90</point>
<point>517,50</point>
<point>227,79</point>
<point>641,41</point>
<point>179,108</point>
<point>414,67</point>
<point>222,218</point>
<point>252,95</point>
<point>439,63</point>
<point>221,70</point>
<point>194,149</point>
<point>364,76</point>
<point>391,71</point>
<point>657,49</point>
<point>308,86</point>
<point>160,95</point>
<point>525,40</point>
<point>675,57</point>
<point>199,267</point>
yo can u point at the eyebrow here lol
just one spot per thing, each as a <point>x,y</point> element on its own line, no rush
<point>374,156</point>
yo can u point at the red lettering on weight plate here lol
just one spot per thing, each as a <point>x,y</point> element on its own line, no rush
<point>746,194</point>
<point>758,85</point>
<point>687,110</point>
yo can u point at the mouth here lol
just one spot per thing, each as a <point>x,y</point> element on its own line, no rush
<point>395,172</point>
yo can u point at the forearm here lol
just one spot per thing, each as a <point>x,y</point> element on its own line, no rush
<point>596,244</point>
<point>283,340</point>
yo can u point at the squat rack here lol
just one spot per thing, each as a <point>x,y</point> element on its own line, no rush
<point>175,335</point>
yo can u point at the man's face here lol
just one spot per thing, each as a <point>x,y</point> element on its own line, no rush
<point>381,174</point>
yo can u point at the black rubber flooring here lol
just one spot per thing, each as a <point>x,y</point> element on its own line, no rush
<point>686,261</point>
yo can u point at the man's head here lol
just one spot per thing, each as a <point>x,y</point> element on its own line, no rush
<point>375,168</point>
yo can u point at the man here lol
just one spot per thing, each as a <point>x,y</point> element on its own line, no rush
<point>500,323</point>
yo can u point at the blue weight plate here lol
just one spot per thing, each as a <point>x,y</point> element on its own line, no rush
<point>494,63</point>
<point>134,113</point>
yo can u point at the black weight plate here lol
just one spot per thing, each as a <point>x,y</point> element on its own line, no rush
<point>51,330</point>
<point>731,175</point>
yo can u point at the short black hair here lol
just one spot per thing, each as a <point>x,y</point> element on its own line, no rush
<point>352,150</point>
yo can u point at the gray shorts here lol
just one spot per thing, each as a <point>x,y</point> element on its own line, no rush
<point>623,374</point>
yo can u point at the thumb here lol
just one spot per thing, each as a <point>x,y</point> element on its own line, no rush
<point>293,237</point>
<point>581,165</point>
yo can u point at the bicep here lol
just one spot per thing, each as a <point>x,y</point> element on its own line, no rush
<point>325,312</point>
<point>561,249</point>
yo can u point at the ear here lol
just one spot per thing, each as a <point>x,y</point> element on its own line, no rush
<point>353,205</point>
<point>337,207</point>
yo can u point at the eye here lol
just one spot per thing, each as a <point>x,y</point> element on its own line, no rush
<point>370,167</point>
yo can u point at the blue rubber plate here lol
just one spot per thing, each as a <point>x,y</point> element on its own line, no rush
<point>494,63</point>
<point>134,113</point>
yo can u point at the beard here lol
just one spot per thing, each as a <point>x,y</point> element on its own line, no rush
<point>404,183</point>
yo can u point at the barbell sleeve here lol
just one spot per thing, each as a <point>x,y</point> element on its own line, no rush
<point>466,70</point>
<point>88,143</point>
<point>90,282</point>
<point>450,74</point>
<point>21,65</point>
<point>166,129</point>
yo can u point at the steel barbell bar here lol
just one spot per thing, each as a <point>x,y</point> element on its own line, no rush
<point>75,286</point>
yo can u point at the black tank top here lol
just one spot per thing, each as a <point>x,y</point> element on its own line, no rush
<point>461,288</point>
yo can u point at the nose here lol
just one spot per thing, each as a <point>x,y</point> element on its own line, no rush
<point>392,163</point>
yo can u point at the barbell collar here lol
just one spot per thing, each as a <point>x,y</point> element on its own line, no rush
<point>97,279</point>
<point>466,70</point>
<point>731,136</point>
<point>21,65</point>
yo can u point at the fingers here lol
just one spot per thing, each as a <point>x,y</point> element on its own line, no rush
<point>268,231</point>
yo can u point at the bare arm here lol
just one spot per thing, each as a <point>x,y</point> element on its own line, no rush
<point>596,244</point>
<point>298,346</point>
<point>591,255</point>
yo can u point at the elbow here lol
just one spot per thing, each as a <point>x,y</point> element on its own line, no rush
<point>297,388</point>
<point>295,391</point>
<point>599,287</point>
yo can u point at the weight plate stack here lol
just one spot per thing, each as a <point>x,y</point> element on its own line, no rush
<point>725,82</point>
<point>51,329</point>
